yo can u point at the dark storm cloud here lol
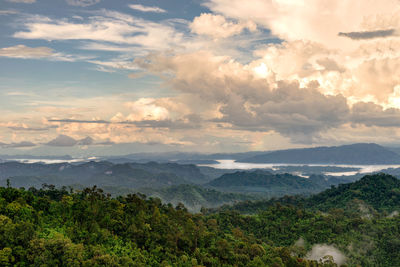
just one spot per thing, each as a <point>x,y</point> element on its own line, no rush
<point>79,121</point>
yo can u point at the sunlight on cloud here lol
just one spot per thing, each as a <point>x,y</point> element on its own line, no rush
<point>109,26</point>
<point>333,66</point>
<point>24,52</point>
<point>217,26</point>
<point>147,8</point>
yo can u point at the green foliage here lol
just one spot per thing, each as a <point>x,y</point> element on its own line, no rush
<point>273,185</point>
<point>380,191</point>
<point>194,197</point>
<point>51,227</point>
<point>54,227</point>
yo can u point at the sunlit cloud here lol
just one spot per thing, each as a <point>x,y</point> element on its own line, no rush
<point>301,72</point>
<point>147,8</point>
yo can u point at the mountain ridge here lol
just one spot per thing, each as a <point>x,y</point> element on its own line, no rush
<point>360,153</point>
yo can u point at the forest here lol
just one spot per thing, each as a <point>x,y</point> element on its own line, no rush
<point>359,226</point>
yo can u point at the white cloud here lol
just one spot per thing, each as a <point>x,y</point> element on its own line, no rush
<point>83,3</point>
<point>108,26</point>
<point>22,1</point>
<point>217,26</point>
<point>147,8</point>
<point>290,101</point>
<point>144,109</point>
<point>314,20</point>
<point>112,65</point>
<point>8,12</point>
<point>314,86</point>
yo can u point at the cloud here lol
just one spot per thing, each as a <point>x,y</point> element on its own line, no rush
<point>223,72</point>
<point>23,144</point>
<point>311,20</point>
<point>147,109</point>
<point>147,8</point>
<point>146,119</point>
<point>107,26</point>
<point>79,121</point>
<point>8,12</point>
<point>318,252</point>
<point>267,95</point>
<point>371,114</point>
<point>393,214</point>
<point>217,26</point>
<point>28,129</point>
<point>368,34</point>
<point>25,52</point>
<point>22,51</point>
<point>110,66</point>
<point>168,124</point>
<point>22,1</point>
<point>83,3</point>
<point>62,141</point>
<point>248,102</point>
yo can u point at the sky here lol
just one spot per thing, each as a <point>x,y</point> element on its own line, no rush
<point>101,77</point>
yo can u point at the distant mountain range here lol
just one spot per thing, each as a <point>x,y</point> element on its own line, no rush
<point>355,154</point>
<point>131,175</point>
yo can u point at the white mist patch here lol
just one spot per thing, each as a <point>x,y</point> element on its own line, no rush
<point>300,243</point>
<point>318,252</point>
<point>393,214</point>
<point>362,169</point>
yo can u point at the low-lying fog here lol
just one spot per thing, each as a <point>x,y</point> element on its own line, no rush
<point>232,164</point>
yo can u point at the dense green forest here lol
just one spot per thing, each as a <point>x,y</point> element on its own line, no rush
<point>57,227</point>
<point>372,193</point>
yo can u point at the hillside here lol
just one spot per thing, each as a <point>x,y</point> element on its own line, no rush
<point>51,227</point>
<point>380,192</point>
<point>272,184</point>
<point>195,197</point>
<point>368,154</point>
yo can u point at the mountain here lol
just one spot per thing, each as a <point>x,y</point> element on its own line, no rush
<point>124,175</point>
<point>380,191</point>
<point>377,192</point>
<point>103,173</point>
<point>189,172</point>
<point>368,154</point>
<point>272,184</point>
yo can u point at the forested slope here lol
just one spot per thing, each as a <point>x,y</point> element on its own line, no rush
<point>54,227</point>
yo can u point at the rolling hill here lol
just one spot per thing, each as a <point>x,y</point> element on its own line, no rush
<point>379,192</point>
